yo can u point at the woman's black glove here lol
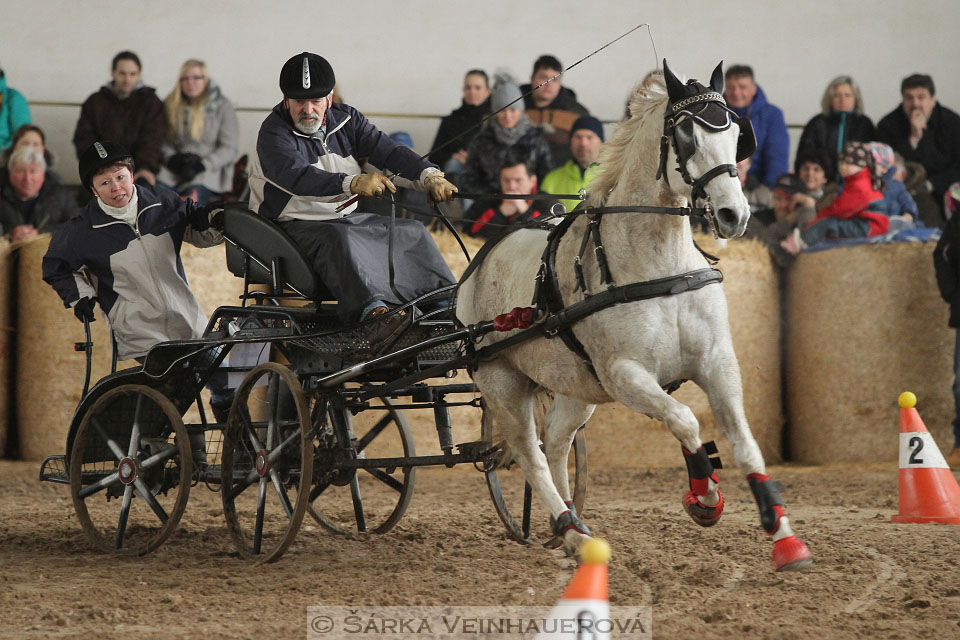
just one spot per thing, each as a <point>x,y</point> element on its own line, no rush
<point>84,309</point>
<point>214,211</point>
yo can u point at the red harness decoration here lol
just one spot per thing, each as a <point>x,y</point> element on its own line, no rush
<point>519,318</point>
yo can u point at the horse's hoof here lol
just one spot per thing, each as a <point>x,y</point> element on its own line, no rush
<point>791,554</point>
<point>702,514</point>
<point>554,543</point>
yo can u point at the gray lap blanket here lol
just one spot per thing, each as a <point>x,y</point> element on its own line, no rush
<point>350,255</point>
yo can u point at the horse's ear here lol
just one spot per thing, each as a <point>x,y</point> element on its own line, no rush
<point>716,80</point>
<point>674,86</point>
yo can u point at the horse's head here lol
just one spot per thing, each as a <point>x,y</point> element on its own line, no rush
<point>706,140</point>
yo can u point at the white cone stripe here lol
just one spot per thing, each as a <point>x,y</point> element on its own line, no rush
<point>919,450</point>
<point>585,610</point>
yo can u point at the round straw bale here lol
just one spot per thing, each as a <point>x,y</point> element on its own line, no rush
<point>6,338</point>
<point>211,282</point>
<point>864,324</point>
<point>49,376</point>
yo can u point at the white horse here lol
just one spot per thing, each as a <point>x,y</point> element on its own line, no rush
<point>638,347</point>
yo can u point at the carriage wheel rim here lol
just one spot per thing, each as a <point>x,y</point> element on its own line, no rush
<point>182,458</point>
<point>247,543</point>
<point>408,481</point>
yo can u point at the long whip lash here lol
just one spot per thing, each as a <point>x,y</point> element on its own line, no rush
<point>482,122</point>
<point>545,82</point>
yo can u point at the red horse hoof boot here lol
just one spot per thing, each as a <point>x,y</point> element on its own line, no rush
<point>702,514</point>
<point>791,554</point>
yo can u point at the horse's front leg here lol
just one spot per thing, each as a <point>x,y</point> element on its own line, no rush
<point>633,385</point>
<point>721,382</point>
<point>509,397</point>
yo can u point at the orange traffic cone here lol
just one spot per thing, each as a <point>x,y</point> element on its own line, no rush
<point>928,490</point>
<point>586,598</point>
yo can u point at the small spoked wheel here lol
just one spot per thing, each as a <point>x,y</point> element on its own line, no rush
<point>513,497</point>
<point>372,500</point>
<point>130,470</point>
<point>267,462</point>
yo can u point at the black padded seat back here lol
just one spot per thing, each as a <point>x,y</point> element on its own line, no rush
<point>248,234</point>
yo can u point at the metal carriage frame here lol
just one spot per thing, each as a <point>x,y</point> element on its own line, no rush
<point>292,438</point>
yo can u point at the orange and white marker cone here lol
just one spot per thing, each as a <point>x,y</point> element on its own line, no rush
<point>586,599</point>
<point>928,490</point>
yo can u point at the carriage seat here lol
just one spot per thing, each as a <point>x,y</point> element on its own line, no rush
<point>259,251</point>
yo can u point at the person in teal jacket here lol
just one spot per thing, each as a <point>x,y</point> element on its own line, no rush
<point>14,112</point>
<point>586,138</point>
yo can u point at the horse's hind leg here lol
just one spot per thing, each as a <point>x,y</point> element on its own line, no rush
<point>638,389</point>
<point>562,420</point>
<point>722,384</point>
<point>509,396</point>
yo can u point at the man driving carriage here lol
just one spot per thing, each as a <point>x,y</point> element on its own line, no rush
<point>312,156</point>
<point>123,252</point>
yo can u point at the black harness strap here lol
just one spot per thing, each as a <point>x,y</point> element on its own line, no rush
<point>547,297</point>
<point>671,285</point>
<point>712,259</point>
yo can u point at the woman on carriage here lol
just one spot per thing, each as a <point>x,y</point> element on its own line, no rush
<point>123,252</point>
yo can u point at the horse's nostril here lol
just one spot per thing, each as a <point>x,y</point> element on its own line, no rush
<point>727,216</point>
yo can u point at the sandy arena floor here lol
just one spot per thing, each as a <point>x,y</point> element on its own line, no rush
<point>873,579</point>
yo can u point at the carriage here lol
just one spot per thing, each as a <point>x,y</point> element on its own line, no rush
<point>320,428</point>
<point>633,318</point>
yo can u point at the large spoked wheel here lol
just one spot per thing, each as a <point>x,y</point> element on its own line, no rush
<point>361,500</point>
<point>513,497</point>
<point>267,462</point>
<point>130,470</point>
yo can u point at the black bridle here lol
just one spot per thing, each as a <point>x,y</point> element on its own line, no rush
<point>709,110</point>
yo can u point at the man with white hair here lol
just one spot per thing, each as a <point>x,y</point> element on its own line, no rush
<point>32,199</point>
<point>311,160</point>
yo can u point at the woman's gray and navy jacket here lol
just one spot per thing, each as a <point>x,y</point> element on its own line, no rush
<point>135,273</point>
<point>295,176</point>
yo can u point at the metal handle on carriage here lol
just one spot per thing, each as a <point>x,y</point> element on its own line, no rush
<point>87,347</point>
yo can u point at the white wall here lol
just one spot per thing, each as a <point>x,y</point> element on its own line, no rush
<point>409,57</point>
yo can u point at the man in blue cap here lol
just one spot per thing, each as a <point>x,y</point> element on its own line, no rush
<point>310,151</point>
<point>586,138</point>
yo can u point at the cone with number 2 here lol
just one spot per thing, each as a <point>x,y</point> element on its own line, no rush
<point>928,490</point>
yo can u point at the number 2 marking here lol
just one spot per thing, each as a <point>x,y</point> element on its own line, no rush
<point>917,442</point>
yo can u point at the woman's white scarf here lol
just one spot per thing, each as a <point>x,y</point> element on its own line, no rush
<point>126,213</point>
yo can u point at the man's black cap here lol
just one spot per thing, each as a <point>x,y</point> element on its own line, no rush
<point>306,76</point>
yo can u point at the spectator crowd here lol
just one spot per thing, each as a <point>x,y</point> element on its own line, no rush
<point>511,138</point>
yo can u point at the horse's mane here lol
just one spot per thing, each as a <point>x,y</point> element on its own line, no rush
<point>648,101</point>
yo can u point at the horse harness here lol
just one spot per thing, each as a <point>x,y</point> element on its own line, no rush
<point>559,318</point>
